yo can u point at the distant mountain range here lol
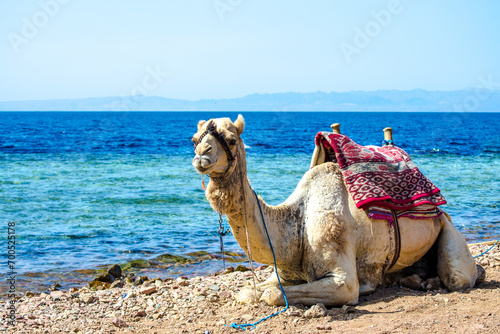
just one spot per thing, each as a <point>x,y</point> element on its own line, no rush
<point>382,100</point>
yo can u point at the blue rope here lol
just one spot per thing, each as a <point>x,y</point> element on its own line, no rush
<point>245,326</point>
<point>487,250</point>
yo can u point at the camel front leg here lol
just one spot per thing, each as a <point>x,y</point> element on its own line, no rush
<point>248,295</point>
<point>336,288</point>
<point>456,267</point>
<point>272,281</point>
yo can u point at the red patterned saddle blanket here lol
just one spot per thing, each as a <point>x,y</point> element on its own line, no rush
<point>383,177</point>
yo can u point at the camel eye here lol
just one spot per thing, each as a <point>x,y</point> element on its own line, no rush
<point>232,142</point>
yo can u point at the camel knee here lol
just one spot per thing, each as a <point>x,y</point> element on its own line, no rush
<point>331,291</point>
<point>347,294</point>
<point>273,297</point>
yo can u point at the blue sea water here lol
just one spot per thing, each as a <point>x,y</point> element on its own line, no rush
<point>91,189</point>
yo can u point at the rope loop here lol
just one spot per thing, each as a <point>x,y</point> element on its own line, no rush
<point>242,327</point>
<point>223,231</point>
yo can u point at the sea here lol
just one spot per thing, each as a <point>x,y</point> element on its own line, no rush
<point>84,190</point>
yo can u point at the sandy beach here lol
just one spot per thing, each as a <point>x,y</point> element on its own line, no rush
<point>206,304</point>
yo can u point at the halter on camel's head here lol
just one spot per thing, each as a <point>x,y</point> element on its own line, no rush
<point>216,146</point>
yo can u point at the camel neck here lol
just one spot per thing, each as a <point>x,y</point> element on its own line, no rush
<point>238,198</point>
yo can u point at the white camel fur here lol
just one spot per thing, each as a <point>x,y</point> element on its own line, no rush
<point>327,251</point>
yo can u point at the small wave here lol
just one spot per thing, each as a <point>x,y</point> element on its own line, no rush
<point>131,145</point>
<point>75,236</point>
<point>148,200</point>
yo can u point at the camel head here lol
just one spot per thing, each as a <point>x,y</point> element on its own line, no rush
<point>217,144</point>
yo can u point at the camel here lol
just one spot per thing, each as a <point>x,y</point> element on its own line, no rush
<point>327,250</point>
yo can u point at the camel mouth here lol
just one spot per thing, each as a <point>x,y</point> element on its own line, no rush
<point>202,164</point>
<point>202,170</point>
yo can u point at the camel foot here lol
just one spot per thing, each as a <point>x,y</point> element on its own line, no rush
<point>273,297</point>
<point>481,274</point>
<point>248,295</point>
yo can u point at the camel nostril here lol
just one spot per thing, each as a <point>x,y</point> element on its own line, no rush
<point>202,163</point>
<point>205,163</point>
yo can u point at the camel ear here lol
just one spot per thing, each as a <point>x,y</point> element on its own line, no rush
<point>200,124</point>
<point>240,125</point>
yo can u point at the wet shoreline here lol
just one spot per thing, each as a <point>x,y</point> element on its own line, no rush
<point>164,266</point>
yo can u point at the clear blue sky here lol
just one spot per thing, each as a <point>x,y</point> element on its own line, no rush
<point>90,48</point>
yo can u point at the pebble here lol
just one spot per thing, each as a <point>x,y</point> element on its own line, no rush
<point>324,328</point>
<point>432,284</point>
<point>115,271</point>
<point>225,294</point>
<point>181,281</point>
<point>247,317</point>
<point>57,295</point>
<point>29,294</point>
<point>316,311</point>
<point>412,282</point>
<point>294,313</point>
<point>87,298</point>
<point>106,278</point>
<point>140,313</point>
<point>119,322</point>
<point>148,290</point>
<point>116,284</point>
<point>214,287</point>
<point>348,309</point>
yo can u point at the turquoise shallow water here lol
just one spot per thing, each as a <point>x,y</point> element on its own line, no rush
<point>81,206</point>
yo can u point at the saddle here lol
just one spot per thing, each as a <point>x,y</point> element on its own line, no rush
<point>384,181</point>
<point>375,176</point>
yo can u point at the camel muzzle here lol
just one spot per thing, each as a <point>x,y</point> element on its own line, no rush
<point>202,163</point>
